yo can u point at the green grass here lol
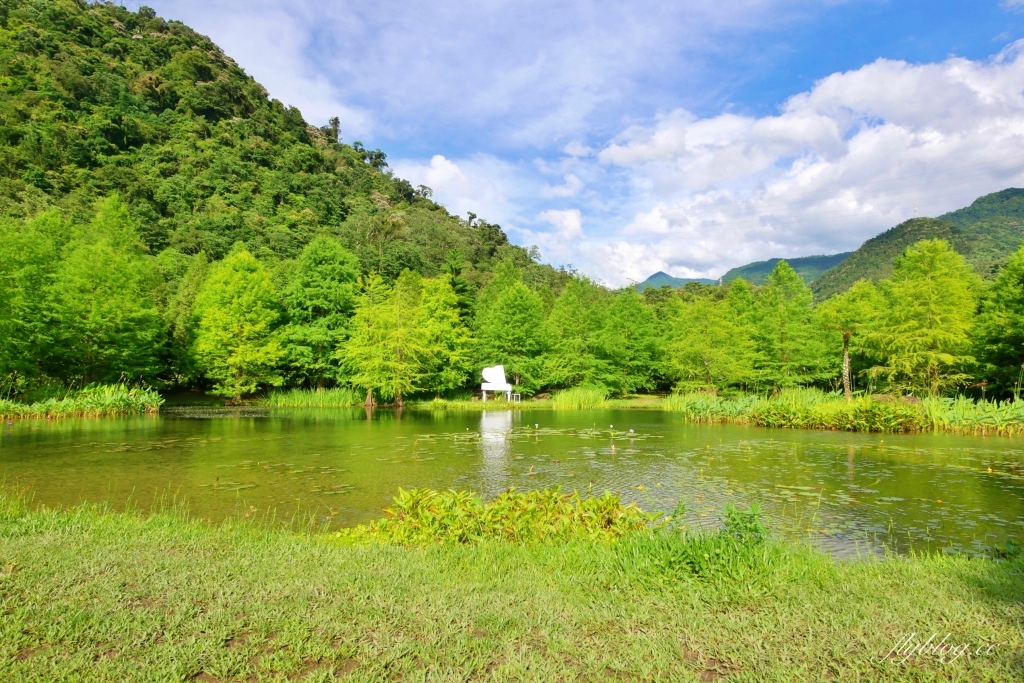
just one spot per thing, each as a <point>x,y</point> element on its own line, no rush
<point>337,397</point>
<point>88,595</point>
<point>92,401</point>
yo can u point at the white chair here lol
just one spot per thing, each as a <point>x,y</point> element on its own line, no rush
<point>494,380</point>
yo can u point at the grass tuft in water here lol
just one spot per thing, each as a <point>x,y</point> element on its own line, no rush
<point>95,400</point>
<point>337,397</point>
<point>580,398</point>
<point>816,409</point>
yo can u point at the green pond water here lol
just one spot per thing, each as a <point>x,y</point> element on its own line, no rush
<point>849,493</point>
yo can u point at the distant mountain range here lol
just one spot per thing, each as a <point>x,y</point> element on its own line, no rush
<point>810,268</point>
<point>986,233</point>
<point>660,279</point>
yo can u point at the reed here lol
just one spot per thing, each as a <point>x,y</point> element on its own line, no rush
<point>336,397</point>
<point>96,400</point>
<point>580,398</point>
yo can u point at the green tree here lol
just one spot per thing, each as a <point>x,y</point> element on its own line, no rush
<point>924,323</point>
<point>1000,326</point>
<point>29,253</point>
<point>319,301</point>
<point>575,318</point>
<point>710,350</point>
<point>849,314</point>
<point>448,360</point>
<point>103,305</point>
<point>386,349</point>
<point>630,341</point>
<point>511,329</point>
<point>790,344</point>
<point>181,319</point>
<point>236,342</point>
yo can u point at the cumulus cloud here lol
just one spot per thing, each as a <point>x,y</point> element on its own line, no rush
<point>859,152</point>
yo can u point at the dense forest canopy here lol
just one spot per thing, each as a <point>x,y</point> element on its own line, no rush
<point>162,220</point>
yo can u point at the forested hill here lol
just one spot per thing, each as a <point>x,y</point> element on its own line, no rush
<point>986,233</point>
<point>97,100</point>
<point>809,268</point>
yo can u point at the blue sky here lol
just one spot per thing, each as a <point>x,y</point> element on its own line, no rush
<point>630,137</point>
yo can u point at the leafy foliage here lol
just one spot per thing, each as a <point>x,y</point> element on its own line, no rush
<point>424,516</point>
<point>236,342</point>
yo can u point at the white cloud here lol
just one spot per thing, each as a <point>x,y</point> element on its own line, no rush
<point>570,188</point>
<point>568,223</point>
<point>858,153</point>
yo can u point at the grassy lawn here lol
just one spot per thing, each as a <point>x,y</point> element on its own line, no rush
<point>87,595</point>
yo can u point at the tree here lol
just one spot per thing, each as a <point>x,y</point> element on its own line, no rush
<point>448,359</point>
<point>319,300</point>
<point>788,340</point>
<point>386,349</point>
<point>236,341</point>
<point>631,343</point>
<point>924,323</point>
<point>574,319</point>
<point>710,350</point>
<point>1000,326</point>
<point>849,314</point>
<point>511,329</point>
<point>108,325</point>
<point>181,319</point>
<point>29,253</point>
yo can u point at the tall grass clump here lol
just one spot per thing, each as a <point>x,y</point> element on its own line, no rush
<point>962,415</point>
<point>95,400</point>
<point>425,516</point>
<point>706,407</point>
<point>336,397</point>
<point>580,398</point>
<point>803,409</point>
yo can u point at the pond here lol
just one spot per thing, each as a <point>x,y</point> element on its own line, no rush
<point>849,493</point>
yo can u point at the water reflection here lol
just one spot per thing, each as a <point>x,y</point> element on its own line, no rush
<point>495,427</point>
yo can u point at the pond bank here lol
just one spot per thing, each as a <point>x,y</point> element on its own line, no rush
<point>129,597</point>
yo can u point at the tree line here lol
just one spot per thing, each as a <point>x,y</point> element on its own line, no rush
<point>90,303</point>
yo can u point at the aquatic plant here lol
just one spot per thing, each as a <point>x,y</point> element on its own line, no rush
<point>580,398</point>
<point>95,400</point>
<point>336,397</point>
<point>425,516</point>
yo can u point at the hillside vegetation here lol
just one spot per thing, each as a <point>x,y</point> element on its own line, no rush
<point>986,233</point>
<point>98,100</point>
<point>810,268</point>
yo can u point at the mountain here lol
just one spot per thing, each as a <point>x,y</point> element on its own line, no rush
<point>660,279</point>
<point>96,100</point>
<point>986,233</point>
<point>810,268</point>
